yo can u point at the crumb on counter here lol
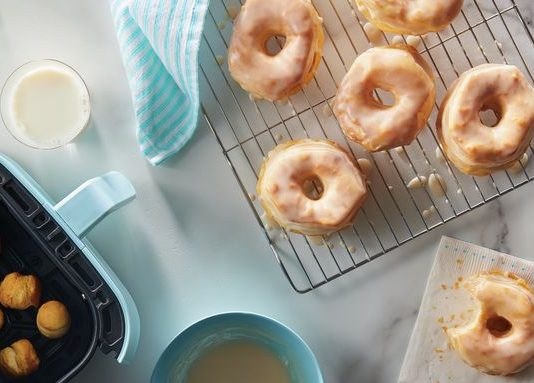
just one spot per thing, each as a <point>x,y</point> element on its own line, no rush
<point>233,11</point>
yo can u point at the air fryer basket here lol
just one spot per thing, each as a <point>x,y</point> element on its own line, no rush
<point>32,242</point>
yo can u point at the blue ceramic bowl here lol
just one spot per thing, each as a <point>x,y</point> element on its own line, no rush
<point>187,347</point>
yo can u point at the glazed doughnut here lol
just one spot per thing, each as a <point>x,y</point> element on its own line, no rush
<point>414,17</point>
<point>499,340</point>
<point>287,173</point>
<point>275,77</point>
<point>398,69</point>
<point>473,147</point>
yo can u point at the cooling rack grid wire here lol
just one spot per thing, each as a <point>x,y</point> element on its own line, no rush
<point>486,31</point>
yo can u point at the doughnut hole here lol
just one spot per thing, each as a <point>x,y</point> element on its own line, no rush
<point>274,44</point>
<point>383,98</point>
<point>491,113</point>
<point>313,188</point>
<point>498,326</point>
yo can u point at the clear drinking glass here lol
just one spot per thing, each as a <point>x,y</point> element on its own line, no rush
<point>45,104</point>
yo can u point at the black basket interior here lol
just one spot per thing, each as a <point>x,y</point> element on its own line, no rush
<point>58,357</point>
<point>33,243</point>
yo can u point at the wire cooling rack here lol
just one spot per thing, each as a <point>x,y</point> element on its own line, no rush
<point>485,31</point>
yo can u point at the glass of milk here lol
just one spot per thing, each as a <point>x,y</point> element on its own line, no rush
<point>45,104</point>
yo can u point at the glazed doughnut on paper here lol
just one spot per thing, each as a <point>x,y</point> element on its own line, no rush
<point>499,340</point>
<point>19,291</point>
<point>19,359</point>
<point>53,319</point>
<point>278,76</point>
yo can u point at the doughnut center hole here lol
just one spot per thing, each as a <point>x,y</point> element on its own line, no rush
<point>383,98</point>
<point>498,326</point>
<point>275,44</point>
<point>490,114</point>
<point>313,188</point>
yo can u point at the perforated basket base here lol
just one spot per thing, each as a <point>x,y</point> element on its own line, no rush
<point>486,31</point>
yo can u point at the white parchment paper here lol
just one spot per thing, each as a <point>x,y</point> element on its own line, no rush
<point>446,304</point>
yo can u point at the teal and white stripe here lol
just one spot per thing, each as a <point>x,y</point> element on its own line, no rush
<point>159,41</point>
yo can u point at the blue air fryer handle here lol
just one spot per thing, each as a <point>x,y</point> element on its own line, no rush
<point>83,209</point>
<point>94,200</point>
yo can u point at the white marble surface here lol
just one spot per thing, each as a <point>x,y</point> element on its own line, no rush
<point>188,246</point>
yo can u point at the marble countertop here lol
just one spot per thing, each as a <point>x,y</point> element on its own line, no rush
<point>188,247</point>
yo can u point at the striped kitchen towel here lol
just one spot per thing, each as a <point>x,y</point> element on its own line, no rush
<point>159,41</point>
